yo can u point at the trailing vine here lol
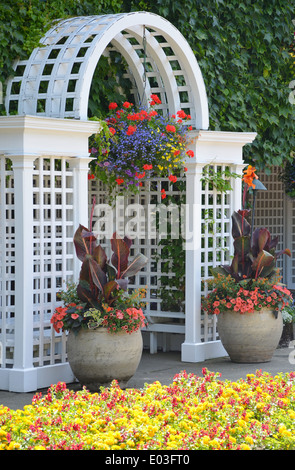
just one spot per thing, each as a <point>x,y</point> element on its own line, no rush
<point>171,289</point>
<point>219,179</point>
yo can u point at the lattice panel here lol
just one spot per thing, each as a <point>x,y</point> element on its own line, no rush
<point>216,242</point>
<point>155,81</point>
<point>270,210</point>
<point>159,266</point>
<point>53,253</point>
<point>52,81</point>
<point>216,246</point>
<point>7,264</point>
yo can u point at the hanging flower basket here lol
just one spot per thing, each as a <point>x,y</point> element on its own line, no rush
<point>137,145</point>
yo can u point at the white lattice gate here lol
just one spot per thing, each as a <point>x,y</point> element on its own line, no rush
<point>52,255</point>
<point>168,296</point>
<point>44,196</point>
<point>44,199</point>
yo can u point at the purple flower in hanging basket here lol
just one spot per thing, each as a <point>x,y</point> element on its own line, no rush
<point>140,138</point>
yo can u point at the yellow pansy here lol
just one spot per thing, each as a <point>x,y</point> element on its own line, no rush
<point>205,440</point>
<point>245,447</point>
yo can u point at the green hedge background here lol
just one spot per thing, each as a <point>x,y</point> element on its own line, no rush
<point>244,49</point>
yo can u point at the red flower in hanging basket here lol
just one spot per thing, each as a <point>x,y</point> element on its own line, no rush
<point>172,178</point>
<point>131,130</point>
<point>170,128</point>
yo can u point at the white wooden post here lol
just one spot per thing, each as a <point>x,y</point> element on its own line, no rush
<point>193,260</point>
<point>80,170</point>
<point>209,148</point>
<point>23,375</point>
<point>237,187</point>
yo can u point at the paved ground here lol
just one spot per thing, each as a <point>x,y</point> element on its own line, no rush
<point>164,366</point>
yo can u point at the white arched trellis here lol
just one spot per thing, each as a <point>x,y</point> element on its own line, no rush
<point>57,77</point>
<point>44,194</point>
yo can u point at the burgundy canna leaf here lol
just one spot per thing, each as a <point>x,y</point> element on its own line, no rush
<point>100,256</point>
<point>242,247</point>
<point>263,238</point>
<point>84,242</point>
<point>120,254</point>
<point>111,272</point>
<point>235,265</point>
<point>254,254</point>
<point>240,226</point>
<point>122,283</point>
<point>86,295</point>
<point>98,281</point>
<point>273,243</point>
<point>99,278</point>
<point>128,241</point>
<point>254,247</point>
<point>287,252</point>
<point>136,265</point>
<point>110,288</point>
<point>263,259</point>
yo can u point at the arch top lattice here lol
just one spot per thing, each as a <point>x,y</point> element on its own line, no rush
<point>55,81</point>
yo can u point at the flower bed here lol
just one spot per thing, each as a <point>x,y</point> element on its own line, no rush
<point>191,413</point>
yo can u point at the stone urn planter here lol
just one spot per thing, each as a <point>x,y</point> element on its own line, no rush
<point>250,337</point>
<point>98,357</point>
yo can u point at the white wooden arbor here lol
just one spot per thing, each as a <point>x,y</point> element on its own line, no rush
<point>44,195</point>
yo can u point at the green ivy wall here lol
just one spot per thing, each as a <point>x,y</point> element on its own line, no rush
<point>243,48</point>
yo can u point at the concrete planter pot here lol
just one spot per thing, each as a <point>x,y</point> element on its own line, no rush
<point>250,337</point>
<point>98,357</point>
